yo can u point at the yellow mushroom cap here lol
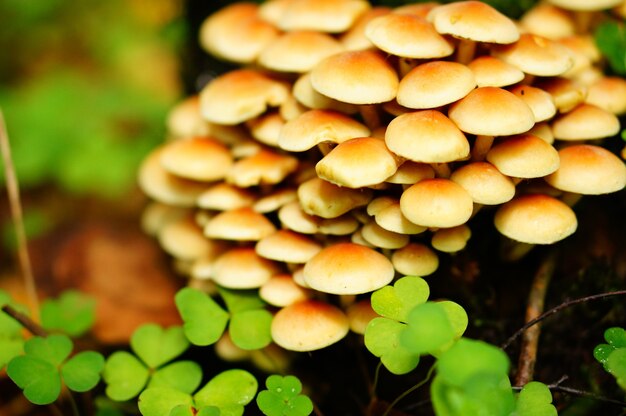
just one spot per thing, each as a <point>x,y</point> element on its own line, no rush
<point>287,246</point>
<point>326,200</point>
<point>348,269</point>
<point>524,156</point>
<point>242,224</point>
<point>585,5</point>
<point>242,268</point>
<point>451,240</point>
<point>262,168</point>
<point>360,313</point>
<point>309,325</point>
<point>540,101</point>
<point>588,169</point>
<point>537,55</point>
<point>415,259</point>
<point>608,93</point>
<point>485,184</point>
<point>379,237</point>
<point>354,39</point>
<point>536,219</point>
<point>332,16</point>
<point>183,239</point>
<point>223,197</point>
<point>548,21</point>
<point>585,122</point>
<point>490,71</point>
<point>197,158</point>
<point>281,290</point>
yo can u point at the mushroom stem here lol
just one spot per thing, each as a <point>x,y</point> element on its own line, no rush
<point>530,338</point>
<point>370,115</point>
<point>442,170</point>
<point>571,198</point>
<point>405,65</point>
<point>582,21</point>
<point>481,147</point>
<point>465,51</point>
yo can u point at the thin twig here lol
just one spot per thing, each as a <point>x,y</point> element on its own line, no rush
<point>25,321</point>
<point>13,191</point>
<point>558,308</point>
<point>410,390</point>
<point>534,308</point>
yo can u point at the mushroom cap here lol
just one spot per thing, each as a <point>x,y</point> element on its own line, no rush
<point>332,16</point>
<point>354,39</point>
<point>492,111</point>
<point>536,55</point>
<point>535,219</point>
<point>548,21</point>
<point>436,203</point>
<point>411,172</point>
<point>185,120</point>
<point>485,184</point>
<point>348,269</point>
<point>474,20</point>
<point>157,214</point>
<point>584,5</point>
<point>360,313</point>
<point>524,156</point>
<point>197,158</point>
<point>588,169</point>
<point>241,224</point>
<point>434,84</point>
<point>242,268</point>
<point>566,93</point>
<point>540,101</point>
<point>304,92</point>
<point>608,93</point>
<point>236,33</point>
<point>426,136</point>
<point>358,162</point>
<point>451,240</point>
<point>262,168</point>
<point>391,218</point>
<point>240,95</point>
<point>415,259</point>
<point>408,36</point>
<point>490,71</point>
<point>327,200</point>
<point>298,51</point>
<point>356,77</point>
<point>280,290</point>
<point>585,122</point>
<point>309,325</point>
<point>266,128</point>
<point>293,217</point>
<point>223,197</point>
<point>183,239</point>
<point>318,126</point>
<point>287,246</point>
<point>379,237</point>
<point>273,201</point>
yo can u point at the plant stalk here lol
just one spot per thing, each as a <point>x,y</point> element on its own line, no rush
<point>25,321</point>
<point>13,191</point>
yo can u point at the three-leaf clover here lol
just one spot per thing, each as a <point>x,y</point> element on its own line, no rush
<point>382,335</point>
<point>226,394</point>
<point>43,368</point>
<point>127,375</point>
<point>11,338</point>
<point>283,398</point>
<point>535,399</point>
<point>613,355</point>
<point>73,313</point>
<point>205,320</point>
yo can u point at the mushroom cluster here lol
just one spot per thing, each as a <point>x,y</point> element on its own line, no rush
<point>354,142</point>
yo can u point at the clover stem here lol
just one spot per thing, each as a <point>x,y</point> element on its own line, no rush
<point>410,390</point>
<point>72,402</point>
<point>25,321</point>
<point>13,191</point>
<point>375,381</point>
<point>534,308</point>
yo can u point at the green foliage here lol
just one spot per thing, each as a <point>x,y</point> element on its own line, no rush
<point>226,394</point>
<point>610,38</point>
<point>44,366</point>
<point>126,375</point>
<point>613,355</point>
<point>283,398</point>
<point>205,320</point>
<point>11,338</point>
<point>73,313</point>
<point>535,399</point>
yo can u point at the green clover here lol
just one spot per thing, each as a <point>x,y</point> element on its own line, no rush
<point>11,338</point>
<point>41,371</point>
<point>613,355</point>
<point>205,320</point>
<point>535,399</point>
<point>283,398</point>
<point>226,394</point>
<point>127,375</point>
<point>382,335</point>
<point>73,313</point>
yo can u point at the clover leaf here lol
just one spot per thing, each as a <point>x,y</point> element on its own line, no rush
<point>613,355</point>
<point>42,369</point>
<point>283,398</point>
<point>127,375</point>
<point>610,38</point>
<point>205,321</point>
<point>535,399</point>
<point>73,313</point>
<point>226,394</point>
<point>382,335</point>
<point>428,329</point>
<point>11,338</point>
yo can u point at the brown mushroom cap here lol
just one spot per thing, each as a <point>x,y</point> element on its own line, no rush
<point>242,224</point>
<point>407,35</point>
<point>540,101</point>
<point>240,95</point>
<point>490,71</point>
<point>492,111</point>
<point>436,203</point>
<point>309,325</point>
<point>326,200</point>
<point>485,184</point>
<point>197,158</point>
<point>536,55</point>
<point>332,16</point>
<point>426,136</point>
<point>242,268</point>
<point>535,219</point>
<point>287,246</point>
<point>588,169</point>
<point>524,156</point>
<point>358,162</point>
<point>474,20</point>
<point>298,51</point>
<point>266,128</point>
<point>348,269</point>
<point>356,77</point>
<point>223,197</point>
<point>236,33</point>
<point>264,167</point>
<point>415,259</point>
<point>435,84</point>
<point>585,122</point>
